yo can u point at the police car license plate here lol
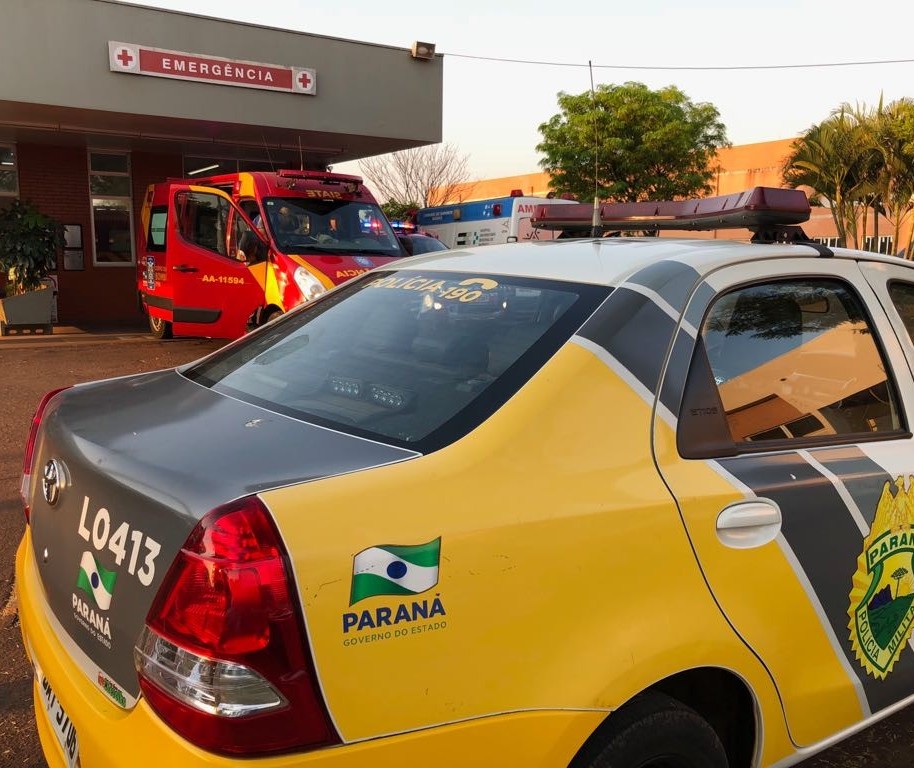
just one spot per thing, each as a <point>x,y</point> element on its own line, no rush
<point>59,721</point>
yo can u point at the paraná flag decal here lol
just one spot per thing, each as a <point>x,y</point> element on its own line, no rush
<point>96,580</point>
<point>391,569</point>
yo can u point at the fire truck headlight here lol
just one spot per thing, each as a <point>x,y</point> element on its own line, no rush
<point>308,284</point>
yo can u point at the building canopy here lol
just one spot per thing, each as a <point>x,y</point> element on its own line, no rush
<point>111,74</point>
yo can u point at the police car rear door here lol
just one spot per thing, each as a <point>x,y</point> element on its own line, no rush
<point>781,429</point>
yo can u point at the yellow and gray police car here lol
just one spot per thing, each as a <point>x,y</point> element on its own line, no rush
<point>608,502</point>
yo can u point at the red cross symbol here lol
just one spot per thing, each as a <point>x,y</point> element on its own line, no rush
<point>124,57</point>
<point>304,80</point>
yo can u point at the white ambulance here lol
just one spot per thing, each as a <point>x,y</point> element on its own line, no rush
<point>485,222</point>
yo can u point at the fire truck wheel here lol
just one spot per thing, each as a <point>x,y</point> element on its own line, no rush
<point>160,328</point>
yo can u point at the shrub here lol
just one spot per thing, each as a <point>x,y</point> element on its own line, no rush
<point>29,244</point>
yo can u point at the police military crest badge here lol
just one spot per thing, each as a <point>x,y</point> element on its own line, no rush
<point>882,596</point>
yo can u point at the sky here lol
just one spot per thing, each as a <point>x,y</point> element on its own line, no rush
<point>492,109</point>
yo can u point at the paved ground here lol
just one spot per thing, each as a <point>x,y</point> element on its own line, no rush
<point>29,367</point>
<point>32,365</point>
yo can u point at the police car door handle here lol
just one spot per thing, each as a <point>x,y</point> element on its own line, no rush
<point>184,268</point>
<point>749,524</point>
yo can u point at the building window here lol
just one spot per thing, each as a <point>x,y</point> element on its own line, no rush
<point>9,178</point>
<point>109,188</point>
<point>828,242</point>
<point>883,246</point>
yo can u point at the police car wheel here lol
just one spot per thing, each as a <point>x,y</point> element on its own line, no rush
<point>656,731</point>
<point>160,328</point>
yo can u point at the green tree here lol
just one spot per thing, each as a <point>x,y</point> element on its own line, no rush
<point>835,159</point>
<point>869,169</point>
<point>643,144</point>
<point>395,211</point>
<point>892,131</point>
<point>858,160</point>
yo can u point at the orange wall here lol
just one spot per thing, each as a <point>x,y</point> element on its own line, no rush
<point>738,168</point>
<point>741,167</point>
<point>533,184</point>
<point>751,165</point>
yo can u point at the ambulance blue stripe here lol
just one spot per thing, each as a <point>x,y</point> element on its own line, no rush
<point>444,214</point>
<point>672,280</point>
<point>822,534</point>
<point>634,331</point>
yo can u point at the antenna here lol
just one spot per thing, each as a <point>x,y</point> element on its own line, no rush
<point>595,225</point>
<point>301,157</point>
<point>269,156</point>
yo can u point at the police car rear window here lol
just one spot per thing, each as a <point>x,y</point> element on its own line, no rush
<point>411,358</point>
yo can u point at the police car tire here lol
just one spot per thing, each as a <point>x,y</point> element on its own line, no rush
<point>654,730</point>
<point>159,328</point>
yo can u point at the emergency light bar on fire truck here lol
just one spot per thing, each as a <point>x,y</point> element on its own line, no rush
<point>768,212</point>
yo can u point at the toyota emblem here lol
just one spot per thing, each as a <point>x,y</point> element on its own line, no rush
<point>53,481</point>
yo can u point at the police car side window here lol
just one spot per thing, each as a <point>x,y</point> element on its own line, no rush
<point>902,295</point>
<point>202,220</point>
<point>798,361</point>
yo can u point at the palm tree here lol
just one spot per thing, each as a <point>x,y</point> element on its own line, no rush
<point>831,159</point>
<point>893,138</point>
<point>870,166</point>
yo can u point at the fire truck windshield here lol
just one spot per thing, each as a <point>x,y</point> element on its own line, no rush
<point>302,225</point>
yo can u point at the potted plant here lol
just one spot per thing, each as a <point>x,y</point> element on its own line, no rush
<point>29,244</point>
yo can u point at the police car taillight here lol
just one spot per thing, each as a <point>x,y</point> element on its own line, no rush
<point>29,456</point>
<point>224,658</point>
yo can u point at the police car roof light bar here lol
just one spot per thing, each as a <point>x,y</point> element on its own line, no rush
<point>756,209</point>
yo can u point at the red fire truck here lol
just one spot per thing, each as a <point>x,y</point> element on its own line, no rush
<point>222,254</point>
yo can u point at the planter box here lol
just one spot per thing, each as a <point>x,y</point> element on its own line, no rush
<point>27,311</point>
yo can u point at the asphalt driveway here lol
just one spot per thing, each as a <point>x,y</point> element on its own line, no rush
<point>29,367</point>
